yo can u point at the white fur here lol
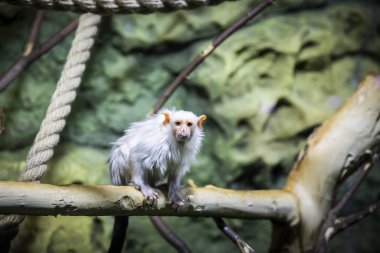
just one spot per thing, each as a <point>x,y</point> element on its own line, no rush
<point>148,152</point>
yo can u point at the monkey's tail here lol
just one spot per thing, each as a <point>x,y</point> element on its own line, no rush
<point>119,233</point>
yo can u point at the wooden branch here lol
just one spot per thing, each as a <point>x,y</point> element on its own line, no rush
<point>355,165</point>
<point>334,223</point>
<point>330,149</point>
<point>33,33</point>
<point>31,56</point>
<point>233,236</point>
<point>169,235</point>
<point>99,200</point>
<point>347,197</point>
<point>346,221</point>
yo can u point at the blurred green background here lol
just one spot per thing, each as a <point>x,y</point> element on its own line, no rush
<point>263,91</point>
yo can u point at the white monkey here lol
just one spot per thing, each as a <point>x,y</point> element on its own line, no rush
<point>161,147</point>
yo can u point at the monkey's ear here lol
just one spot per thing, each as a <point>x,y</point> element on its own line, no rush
<point>167,118</point>
<point>200,120</point>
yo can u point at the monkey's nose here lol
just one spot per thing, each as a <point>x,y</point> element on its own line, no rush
<point>183,135</point>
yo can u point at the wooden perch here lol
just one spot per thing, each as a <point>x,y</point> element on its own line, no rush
<point>329,150</point>
<point>97,200</point>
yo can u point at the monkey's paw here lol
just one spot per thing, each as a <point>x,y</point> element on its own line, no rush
<point>150,195</point>
<point>176,201</point>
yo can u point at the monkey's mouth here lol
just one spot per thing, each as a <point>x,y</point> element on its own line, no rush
<point>182,137</point>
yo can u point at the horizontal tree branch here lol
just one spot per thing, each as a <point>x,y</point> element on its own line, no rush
<point>99,200</point>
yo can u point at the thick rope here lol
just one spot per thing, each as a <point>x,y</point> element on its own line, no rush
<point>60,106</point>
<point>115,6</point>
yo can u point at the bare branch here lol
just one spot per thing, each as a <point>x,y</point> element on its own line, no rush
<point>27,59</point>
<point>33,33</point>
<point>233,236</point>
<point>335,224</point>
<point>101,200</point>
<point>169,235</point>
<point>345,222</point>
<point>354,187</point>
<point>368,156</point>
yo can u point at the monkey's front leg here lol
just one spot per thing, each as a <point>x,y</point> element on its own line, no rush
<point>139,182</point>
<point>174,187</point>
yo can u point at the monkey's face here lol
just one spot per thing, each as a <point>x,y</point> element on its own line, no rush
<point>183,129</point>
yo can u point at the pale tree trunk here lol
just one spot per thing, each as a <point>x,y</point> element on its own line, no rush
<point>329,150</point>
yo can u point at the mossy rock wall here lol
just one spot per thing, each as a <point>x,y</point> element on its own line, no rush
<point>264,90</point>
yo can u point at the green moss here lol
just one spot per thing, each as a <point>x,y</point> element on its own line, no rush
<point>12,163</point>
<point>76,164</point>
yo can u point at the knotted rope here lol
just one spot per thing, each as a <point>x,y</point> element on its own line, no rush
<point>60,106</point>
<point>115,6</point>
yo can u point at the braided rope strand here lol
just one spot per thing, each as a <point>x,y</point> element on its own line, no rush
<point>60,105</point>
<point>115,6</point>
<point>54,122</point>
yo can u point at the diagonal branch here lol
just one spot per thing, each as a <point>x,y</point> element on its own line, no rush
<point>350,193</point>
<point>335,224</point>
<point>33,33</point>
<point>169,235</point>
<point>345,222</point>
<point>233,236</point>
<point>28,58</point>
<point>355,165</point>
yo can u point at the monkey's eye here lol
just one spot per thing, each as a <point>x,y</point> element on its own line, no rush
<point>189,124</point>
<point>177,123</point>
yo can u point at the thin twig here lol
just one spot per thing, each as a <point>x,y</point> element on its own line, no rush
<point>344,222</point>
<point>208,50</point>
<point>355,165</point>
<point>353,188</point>
<point>335,224</point>
<point>26,60</point>
<point>33,33</point>
<point>233,236</point>
<point>169,235</point>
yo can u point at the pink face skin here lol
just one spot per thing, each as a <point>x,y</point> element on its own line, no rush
<point>182,129</point>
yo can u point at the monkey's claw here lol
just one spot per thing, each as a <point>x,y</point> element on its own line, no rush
<point>176,201</point>
<point>150,195</point>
